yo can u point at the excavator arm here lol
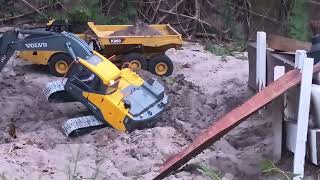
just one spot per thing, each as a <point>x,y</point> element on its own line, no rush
<point>12,41</point>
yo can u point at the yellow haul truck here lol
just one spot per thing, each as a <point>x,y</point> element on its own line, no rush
<point>119,98</point>
<point>137,51</point>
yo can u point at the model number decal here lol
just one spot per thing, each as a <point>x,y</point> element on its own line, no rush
<point>116,40</point>
<point>36,45</point>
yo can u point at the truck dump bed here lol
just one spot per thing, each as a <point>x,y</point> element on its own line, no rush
<point>168,36</point>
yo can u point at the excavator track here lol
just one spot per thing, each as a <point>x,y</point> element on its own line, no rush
<point>82,125</point>
<point>55,92</point>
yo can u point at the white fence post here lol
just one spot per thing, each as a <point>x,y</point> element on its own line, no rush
<point>277,117</point>
<point>301,55</point>
<point>261,60</point>
<point>303,118</point>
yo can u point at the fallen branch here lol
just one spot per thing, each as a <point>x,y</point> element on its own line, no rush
<point>144,16</point>
<point>58,2</point>
<point>213,7</point>
<point>109,9</point>
<point>185,31</point>
<point>186,16</point>
<point>255,13</point>
<point>170,12</point>
<point>34,8</point>
<point>197,15</point>
<point>27,13</point>
<point>156,10</point>
<point>105,4</point>
<point>194,18</point>
<point>206,35</point>
<point>313,2</point>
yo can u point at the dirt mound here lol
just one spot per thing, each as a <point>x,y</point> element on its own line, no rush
<point>191,110</point>
<point>139,29</point>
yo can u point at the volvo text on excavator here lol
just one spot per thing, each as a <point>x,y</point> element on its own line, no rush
<point>119,98</point>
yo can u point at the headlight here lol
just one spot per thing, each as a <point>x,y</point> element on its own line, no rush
<point>111,82</point>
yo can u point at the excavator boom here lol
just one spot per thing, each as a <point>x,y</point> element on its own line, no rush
<point>41,41</point>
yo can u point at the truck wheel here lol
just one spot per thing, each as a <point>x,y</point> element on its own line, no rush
<point>160,65</point>
<point>135,60</point>
<point>59,64</point>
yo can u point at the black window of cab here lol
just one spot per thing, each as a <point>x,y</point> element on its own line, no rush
<point>90,82</point>
<point>87,81</point>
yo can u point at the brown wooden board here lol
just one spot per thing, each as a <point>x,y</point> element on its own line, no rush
<point>223,125</point>
<point>286,45</point>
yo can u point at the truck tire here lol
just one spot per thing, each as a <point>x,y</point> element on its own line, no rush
<point>136,61</point>
<point>160,65</point>
<point>59,64</point>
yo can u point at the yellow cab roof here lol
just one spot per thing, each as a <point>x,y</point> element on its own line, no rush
<point>106,70</point>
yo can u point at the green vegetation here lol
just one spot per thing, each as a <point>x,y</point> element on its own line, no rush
<point>128,13</point>
<point>225,49</point>
<point>207,171</point>
<point>168,80</point>
<point>229,17</point>
<point>6,9</point>
<point>73,166</point>
<point>94,10</point>
<point>80,12</point>
<point>268,167</point>
<point>298,20</point>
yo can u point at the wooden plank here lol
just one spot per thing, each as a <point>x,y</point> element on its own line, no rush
<point>223,125</point>
<point>285,44</point>
<point>303,119</point>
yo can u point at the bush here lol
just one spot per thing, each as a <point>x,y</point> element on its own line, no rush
<point>119,12</point>
<point>298,19</point>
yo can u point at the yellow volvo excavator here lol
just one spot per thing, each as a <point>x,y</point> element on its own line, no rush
<point>119,98</point>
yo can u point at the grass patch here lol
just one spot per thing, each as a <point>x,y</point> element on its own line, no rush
<point>225,49</point>
<point>209,172</point>
<point>268,167</point>
<point>72,169</point>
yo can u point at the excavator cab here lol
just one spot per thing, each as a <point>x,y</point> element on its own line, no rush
<point>118,97</point>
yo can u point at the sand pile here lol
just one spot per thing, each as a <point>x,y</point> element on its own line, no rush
<point>192,110</point>
<point>139,29</point>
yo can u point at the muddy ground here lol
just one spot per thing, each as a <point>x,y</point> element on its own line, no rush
<point>202,89</point>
